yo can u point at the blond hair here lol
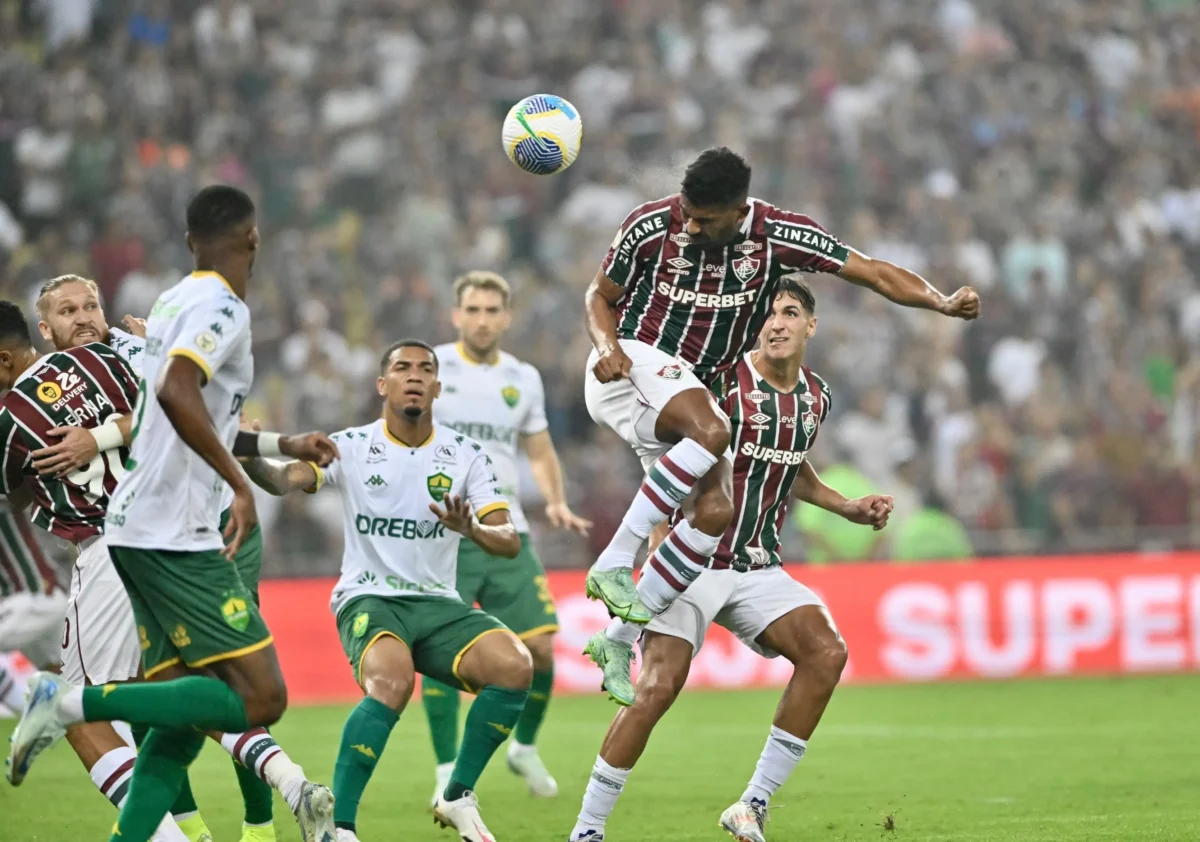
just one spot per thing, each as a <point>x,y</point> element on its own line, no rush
<point>480,279</point>
<point>43,302</point>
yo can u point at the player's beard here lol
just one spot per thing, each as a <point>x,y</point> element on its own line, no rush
<point>68,340</point>
<point>413,412</point>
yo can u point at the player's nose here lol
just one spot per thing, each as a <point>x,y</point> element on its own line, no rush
<point>692,228</point>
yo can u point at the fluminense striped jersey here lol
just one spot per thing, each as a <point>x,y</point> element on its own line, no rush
<point>772,434</point>
<point>706,305</point>
<point>81,387</point>
<point>23,566</point>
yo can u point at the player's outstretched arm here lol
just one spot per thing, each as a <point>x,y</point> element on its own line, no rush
<point>872,510</point>
<point>600,305</point>
<point>547,473</point>
<point>909,289</point>
<point>495,533</point>
<point>280,478</point>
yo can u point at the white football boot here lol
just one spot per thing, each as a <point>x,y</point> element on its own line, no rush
<point>40,727</point>
<point>524,761</point>
<point>744,821</point>
<point>314,814</point>
<point>463,816</point>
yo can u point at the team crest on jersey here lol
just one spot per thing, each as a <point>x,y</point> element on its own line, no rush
<point>745,268</point>
<point>809,423</point>
<point>511,395</point>
<point>49,392</point>
<point>235,611</point>
<point>439,486</point>
<point>360,624</point>
<point>670,372</point>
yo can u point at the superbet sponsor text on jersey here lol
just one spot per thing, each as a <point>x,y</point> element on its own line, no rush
<point>772,434</point>
<point>82,387</point>
<point>707,304</point>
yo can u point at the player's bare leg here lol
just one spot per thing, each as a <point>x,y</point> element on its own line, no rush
<point>807,637</point>
<point>500,665</point>
<point>666,661</point>
<point>699,433</point>
<point>677,556</point>
<point>523,756</point>
<point>387,677</point>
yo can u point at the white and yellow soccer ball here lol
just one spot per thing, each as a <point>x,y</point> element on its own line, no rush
<point>542,134</point>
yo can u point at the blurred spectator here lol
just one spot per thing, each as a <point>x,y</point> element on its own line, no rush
<point>1045,153</point>
<point>930,533</point>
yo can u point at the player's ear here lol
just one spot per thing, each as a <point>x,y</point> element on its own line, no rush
<point>381,387</point>
<point>506,319</point>
<point>44,330</point>
<point>191,244</point>
<point>812,326</point>
<point>437,389</point>
<point>456,318</point>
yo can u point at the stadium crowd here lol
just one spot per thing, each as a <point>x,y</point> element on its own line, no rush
<point>928,132</point>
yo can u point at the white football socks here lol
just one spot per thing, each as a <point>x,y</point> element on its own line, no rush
<point>12,690</point>
<point>603,789</point>
<point>667,484</point>
<point>112,775</point>
<point>674,565</point>
<point>779,757</point>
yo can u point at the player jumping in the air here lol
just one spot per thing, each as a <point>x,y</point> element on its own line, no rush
<point>776,407</point>
<point>71,316</point>
<point>411,490</point>
<point>32,604</point>
<point>498,400</point>
<point>191,607</point>
<point>681,296</point>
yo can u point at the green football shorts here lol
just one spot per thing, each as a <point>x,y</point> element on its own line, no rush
<point>248,561</point>
<point>437,631</point>
<point>190,607</point>
<point>513,590</point>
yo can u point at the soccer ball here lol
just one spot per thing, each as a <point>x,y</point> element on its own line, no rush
<point>542,134</point>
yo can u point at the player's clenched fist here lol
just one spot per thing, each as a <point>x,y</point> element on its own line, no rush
<point>872,510</point>
<point>612,365</point>
<point>310,447</point>
<point>964,304</point>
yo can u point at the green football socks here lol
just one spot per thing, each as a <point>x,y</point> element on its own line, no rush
<point>197,702</point>
<point>158,774</point>
<point>363,738</point>
<point>441,709</point>
<point>257,796</point>
<point>534,713</point>
<point>489,722</point>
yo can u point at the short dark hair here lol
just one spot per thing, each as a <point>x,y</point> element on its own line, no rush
<point>406,343</point>
<point>799,290</point>
<point>216,209</point>
<point>719,178</point>
<point>14,327</point>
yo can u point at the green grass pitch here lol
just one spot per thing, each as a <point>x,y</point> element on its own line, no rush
<point>1095,759</point>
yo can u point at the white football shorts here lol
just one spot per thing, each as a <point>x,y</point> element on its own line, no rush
<point>100,642</point>
<point>630,406</point>
<point>743,602</point>
<point>32,624</point>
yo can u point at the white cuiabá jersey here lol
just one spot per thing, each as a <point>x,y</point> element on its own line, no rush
<point>495,405</point>
<point>132,349</point>
<point>396,546</point>
<point>170,498</point>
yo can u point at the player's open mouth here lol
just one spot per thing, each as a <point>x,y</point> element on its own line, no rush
<point>86,334</point>
<point>777,340</point>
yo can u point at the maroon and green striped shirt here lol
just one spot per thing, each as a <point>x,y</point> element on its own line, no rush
<point>81,387</point>
<point>23,565</point>
<point>707,305</point>
<point>772,434</point>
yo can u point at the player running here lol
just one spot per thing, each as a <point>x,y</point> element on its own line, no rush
<point>682,295</point>
<point>32,604</point>
<point>496,399</point>
<point>191,607</point>
<point>397,609</point>
<point>71,315</point>
<point>776,407</point>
